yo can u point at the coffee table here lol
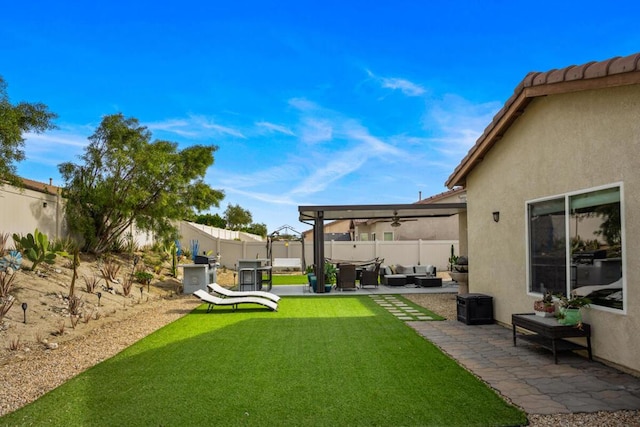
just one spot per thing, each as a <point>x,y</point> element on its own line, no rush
<point>428,282</point>
<point>550,334</point>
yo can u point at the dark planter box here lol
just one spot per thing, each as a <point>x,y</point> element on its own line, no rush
<point>475,309</point>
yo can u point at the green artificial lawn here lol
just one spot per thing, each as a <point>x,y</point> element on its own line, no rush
<point>340,361</point>
<point>289,279</point>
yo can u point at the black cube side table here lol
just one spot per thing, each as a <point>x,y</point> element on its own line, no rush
<point>475,309</point>
<point>428,282</point>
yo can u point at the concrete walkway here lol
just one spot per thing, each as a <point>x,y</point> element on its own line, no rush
<point>527,376</point>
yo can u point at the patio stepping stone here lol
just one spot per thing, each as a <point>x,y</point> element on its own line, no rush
<point>400,309</point>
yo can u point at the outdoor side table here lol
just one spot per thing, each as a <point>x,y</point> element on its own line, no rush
<point>428,282</point>
<point>248,279</point>
<point>396,279</point>
<point>550,334</point>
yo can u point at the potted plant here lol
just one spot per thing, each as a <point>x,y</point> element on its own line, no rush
<point>570,309</point>
<point>453,259</point>
<point>330,273</point>
<point>460,273</point>
<point>545,307</point>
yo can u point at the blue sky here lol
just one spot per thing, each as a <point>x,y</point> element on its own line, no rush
<point>309,102</point>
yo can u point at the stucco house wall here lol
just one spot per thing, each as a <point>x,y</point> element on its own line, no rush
<point>418,229</point>
<point>25,209</point>
<point>561,143</point>
<point>39,205</point>
<point>429,228</point>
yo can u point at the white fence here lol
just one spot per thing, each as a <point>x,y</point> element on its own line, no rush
<point>423,252</point>
<point>24,210</point>
<point>221,233</point>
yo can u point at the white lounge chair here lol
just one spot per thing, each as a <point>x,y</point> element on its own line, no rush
<point>214,287</point>
<point>213,300</point>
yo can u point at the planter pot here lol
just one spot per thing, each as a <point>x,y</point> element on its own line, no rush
<point>544,313</point>
<point>463,281</point>
<point>571,316</point>
<point>543,310</point>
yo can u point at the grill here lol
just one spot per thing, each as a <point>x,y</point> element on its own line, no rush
<point>587,257</point>
<point>203,259</point>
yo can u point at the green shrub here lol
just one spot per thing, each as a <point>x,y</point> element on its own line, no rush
<point>143,277</point>
<point>36,247</point>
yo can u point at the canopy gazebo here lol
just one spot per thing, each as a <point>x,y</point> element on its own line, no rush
<point>316,215</point>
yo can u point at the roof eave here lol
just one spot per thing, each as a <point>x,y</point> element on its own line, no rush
<point>610,73</point>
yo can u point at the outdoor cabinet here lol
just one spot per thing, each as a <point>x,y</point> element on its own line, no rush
<point>197,276</point>
<point>475,309</point>
<point>250,274</point>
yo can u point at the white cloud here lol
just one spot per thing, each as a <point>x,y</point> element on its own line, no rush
<point>171,125</point>
<point>51,139</point>
<point>457,123</point>
<point>351,147</point>
<point>316,130</point>
<point>275,128</point>
<point>193,126</point>
<point>54,147</point>
<point>277,199</point>
<point>303,104</point>
<point>407,87</point>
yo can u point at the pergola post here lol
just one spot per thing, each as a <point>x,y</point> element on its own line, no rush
<point>318,251</point>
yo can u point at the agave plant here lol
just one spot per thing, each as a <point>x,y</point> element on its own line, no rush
<point>12,260</point>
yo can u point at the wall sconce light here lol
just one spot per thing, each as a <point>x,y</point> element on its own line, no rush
<point>496,216</point>
<point>44,204</point>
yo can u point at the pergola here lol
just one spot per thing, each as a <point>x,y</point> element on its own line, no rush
<point>316,215</point>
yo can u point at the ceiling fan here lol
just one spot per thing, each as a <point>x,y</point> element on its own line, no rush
<point>396,221</point>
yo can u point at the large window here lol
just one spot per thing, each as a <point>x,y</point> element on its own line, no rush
<point>547,246</point>
<point>575,246</point>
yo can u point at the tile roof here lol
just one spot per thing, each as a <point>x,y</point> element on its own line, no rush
<point>618,71</point>
<point>444,195</point>
<point>40,186</point>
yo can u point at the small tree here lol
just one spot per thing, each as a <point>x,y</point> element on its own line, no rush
<point>236,217</point>
<point>214,220</point>
<point>15,120</point>
<point>126,179</point>
<point>259,229</point>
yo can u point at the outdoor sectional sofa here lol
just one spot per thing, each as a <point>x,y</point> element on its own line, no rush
<point>401,275</point>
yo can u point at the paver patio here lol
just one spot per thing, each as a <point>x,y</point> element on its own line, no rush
<point>527,375</point>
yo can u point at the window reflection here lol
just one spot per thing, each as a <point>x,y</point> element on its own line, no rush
<point>547,238</point>
<point>596,247</point>
<point>594,233</point>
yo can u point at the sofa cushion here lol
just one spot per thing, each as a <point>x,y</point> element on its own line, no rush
<point>431,269</point>
<point>404,269</point>
<point>421,270</point>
